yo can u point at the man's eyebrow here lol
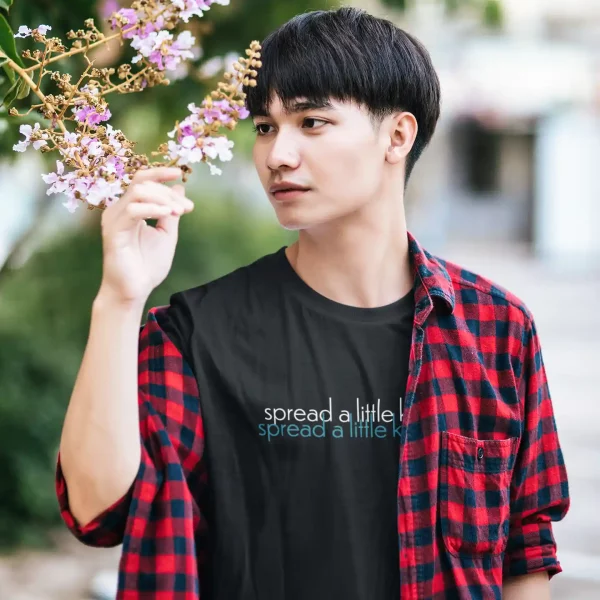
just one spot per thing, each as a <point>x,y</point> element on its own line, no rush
<point>298,107</point>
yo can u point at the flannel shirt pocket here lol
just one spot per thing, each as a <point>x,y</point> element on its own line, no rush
<point>475,493</point>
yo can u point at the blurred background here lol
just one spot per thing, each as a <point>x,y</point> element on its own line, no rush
<point>508,187</point>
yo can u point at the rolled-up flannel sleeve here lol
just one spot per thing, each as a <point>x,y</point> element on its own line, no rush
<point>171,435</point>
<point>539,488</point>
<point>106,529</point>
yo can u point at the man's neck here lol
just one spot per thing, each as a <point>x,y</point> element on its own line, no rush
<point>358,263</point>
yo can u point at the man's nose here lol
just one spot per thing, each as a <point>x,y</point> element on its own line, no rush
<point>284,152</point>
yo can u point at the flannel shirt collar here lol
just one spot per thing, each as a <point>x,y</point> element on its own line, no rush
<point>433,287</point>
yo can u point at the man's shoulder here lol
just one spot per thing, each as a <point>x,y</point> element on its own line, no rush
<point>472,288</point>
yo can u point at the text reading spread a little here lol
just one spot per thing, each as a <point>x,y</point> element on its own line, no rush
<point>365,421</point>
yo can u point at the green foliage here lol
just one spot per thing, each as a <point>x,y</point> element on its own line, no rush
<point>397,4</point>
<point>34,384</point>
<point>228,29</point>
<point>493,15</point>
<point>7,43</point>
<point>45,306</point>
<point>44,323</point>
<point>61,16</point>
<point>490,10</point>
<point>12,87</point>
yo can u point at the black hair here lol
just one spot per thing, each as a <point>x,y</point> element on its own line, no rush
<point>349,55</point>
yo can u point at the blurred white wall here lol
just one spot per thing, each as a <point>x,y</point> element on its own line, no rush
<point>567,169</point>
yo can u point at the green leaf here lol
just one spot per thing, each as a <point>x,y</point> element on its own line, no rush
<point>9,93</point>
<point>24,90</point>
<point>19,89</point>
<point>6,4</point>
<point>5,81</point>
<point>9,72</point>
<point>7,42</point>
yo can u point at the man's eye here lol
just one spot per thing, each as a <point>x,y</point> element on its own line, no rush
<point>257,128</point>
<point>314,120</point>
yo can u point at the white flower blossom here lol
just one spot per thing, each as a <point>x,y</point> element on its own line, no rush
<point>27,130</point>
<point>102,190</point>
<point>23,32</point>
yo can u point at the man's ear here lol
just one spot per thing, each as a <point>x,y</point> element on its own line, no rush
<point>402,130</point>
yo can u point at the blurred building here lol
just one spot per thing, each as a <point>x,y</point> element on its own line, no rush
<point>516,154</point>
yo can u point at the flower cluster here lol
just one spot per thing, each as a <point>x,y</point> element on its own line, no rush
<point>194,138</point>
<point>102,167</point>
<point>97,161</point>
<point>151,38</point>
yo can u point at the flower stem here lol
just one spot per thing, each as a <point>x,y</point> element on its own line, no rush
<point>89,46</point>
<point>114,88</point>
<point>36,90</point>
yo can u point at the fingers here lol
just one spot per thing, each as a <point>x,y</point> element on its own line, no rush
<point>170,223</point>
<point>147,198</point>
<point>152,195</point>
<point>135,211</point>
<point>151,191</point>
<point>156,174</point>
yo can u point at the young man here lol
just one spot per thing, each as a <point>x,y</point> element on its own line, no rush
<point>347,417</point>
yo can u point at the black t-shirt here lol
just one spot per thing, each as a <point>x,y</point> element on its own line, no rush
<point>301,400</point>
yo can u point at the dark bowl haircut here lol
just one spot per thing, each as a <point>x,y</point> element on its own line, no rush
<point>349,55</point>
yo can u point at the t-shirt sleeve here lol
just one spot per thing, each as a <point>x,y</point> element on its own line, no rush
<point>166,390</point>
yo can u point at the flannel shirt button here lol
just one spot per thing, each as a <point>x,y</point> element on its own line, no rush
<point>479,453</point>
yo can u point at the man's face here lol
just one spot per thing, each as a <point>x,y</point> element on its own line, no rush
<point>334,151</point>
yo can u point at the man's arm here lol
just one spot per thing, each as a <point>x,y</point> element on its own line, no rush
<point>167,400</point>
<point>535,586</point>
<point>100,444</point>
<point>539,488</point>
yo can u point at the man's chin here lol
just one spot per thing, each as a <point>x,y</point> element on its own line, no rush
<point>299,217</point>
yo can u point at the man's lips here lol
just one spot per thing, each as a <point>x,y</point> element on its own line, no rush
<point>289,193</point>
<point>286,186</point>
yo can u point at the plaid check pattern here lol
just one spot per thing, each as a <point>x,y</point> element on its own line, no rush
<point>481,472</point>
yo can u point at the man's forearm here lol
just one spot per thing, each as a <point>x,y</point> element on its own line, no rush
<point>100,445</point>
<point>535,586</point>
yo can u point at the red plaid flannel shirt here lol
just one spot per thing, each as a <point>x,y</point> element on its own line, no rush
<point>481,473</point>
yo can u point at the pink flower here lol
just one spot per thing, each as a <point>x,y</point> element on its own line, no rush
<point>161,50</point>
<point>89,115</point>
<point>107,8</point>
<point>131,18</point>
